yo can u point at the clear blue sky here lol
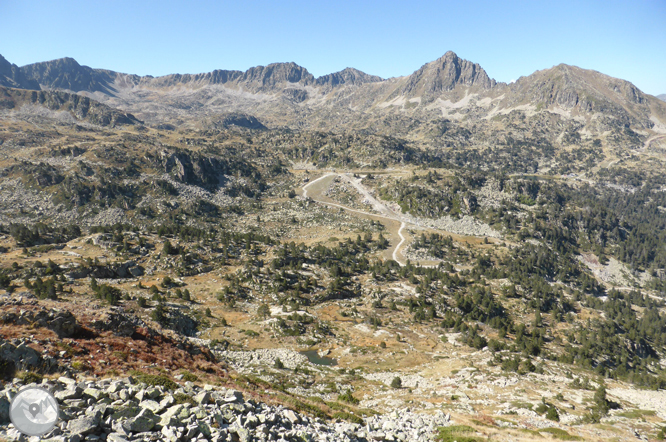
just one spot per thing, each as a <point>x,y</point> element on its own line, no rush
<point>625,39</point>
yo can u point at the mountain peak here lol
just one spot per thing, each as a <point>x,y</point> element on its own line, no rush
<point>444,74</point>
<point>12,76</point>
<point>67,73</point>
<point>277,73</point>
<point>347,76</point>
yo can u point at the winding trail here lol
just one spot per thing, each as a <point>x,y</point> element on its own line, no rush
<point>385,212</point>
<point>402,240</point>
<point>651,139</point>
<point>305,188</point>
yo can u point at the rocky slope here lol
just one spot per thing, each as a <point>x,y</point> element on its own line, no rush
<point>60,105</point>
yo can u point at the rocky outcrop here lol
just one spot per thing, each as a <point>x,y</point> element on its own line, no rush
<point>118,323</point>
<point>62,322</point>
<point>179,322</point>
<point>17,355</point>
<point>80,107</point>
<point>201,170</point>
<point>241,120</point>
<point>127,269</point>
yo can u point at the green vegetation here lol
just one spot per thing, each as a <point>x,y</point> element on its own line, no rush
<point>154,380</point>
<point>560,434</point>
<point>458,433</point>
<point>348,397</point>
<point>29,377</point>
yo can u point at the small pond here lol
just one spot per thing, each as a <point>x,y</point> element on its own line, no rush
<point>314,358</point>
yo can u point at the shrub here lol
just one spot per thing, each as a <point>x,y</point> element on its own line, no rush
<point>159,315</point>
<point>182,398</point>
<point>560,434</point>
<point>396,382</point>
<point>346,416</point>
<point>154,380</point>
<point>348,397</point>
<point>30,377</point>
<point>459,433</point>
<point>552,414</point>
<point>190,377</point>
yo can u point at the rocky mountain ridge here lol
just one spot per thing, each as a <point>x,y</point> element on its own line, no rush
<point>287,95</point>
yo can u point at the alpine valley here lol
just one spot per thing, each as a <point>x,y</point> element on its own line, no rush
<point>269,256</point>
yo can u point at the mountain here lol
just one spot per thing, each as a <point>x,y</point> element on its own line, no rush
<point>583,92</point>
<point>13,76</point>
<point>68,74</point>
<point>662,97</point>
<point>348,76</point>
<point>287,95</point>
<point>445,74</point>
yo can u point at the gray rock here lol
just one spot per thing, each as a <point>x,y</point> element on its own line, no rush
<point>167,402</point>
<point>171,434</point>
<point>83,425</point>
<point>233,396</point>
<point>144,421</point>
<point>191,431</point>
<point>204,429</point>
<point>72,392</point>
<point>4,410</point>
<point>291,416</point>
<point>203,398</point>
<point>116,437</point>
<point>67,381</point>
<point>126,412</point>
<point>63,323</point>
<point>152,405</point>
<point>94,393</point>
<point>55,439</point>
<point>153,392</point>
<point>135,271</point>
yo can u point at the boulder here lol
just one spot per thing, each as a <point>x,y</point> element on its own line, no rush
<point>144,421</point>
<point>83,426</point>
